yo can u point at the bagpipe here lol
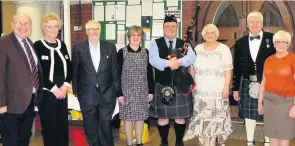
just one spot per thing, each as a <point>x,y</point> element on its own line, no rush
<point>183,79</point>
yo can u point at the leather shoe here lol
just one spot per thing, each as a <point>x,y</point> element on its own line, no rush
<point>179,144</point>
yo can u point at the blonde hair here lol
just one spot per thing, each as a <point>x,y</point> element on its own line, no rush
<point>255,14</point>
<point>50,16</point>
<point>87,25</point>
<point>206,27</point>
<point>282,34</point>
<point>133,29</point>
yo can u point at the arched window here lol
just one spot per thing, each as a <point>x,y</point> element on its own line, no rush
<point>228,18</point>
<point>271,15</point>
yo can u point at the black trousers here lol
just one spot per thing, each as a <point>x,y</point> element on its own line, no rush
<point>54,120</point>
<point>97,125</point>
<point>16,129</point>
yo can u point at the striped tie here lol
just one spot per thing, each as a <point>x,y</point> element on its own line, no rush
<point>34,69</point>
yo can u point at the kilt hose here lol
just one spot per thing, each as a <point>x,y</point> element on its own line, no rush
<point>247,105</point>
<point>181,108</point>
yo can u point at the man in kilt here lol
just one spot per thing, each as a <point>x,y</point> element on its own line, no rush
<point>172,82</point>
<point>250,53</point>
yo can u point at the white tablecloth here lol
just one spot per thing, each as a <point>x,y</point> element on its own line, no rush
<point>73,104</point>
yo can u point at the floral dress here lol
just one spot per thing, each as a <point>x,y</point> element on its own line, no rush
<point>211,112</point>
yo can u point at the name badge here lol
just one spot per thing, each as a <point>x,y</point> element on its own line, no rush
<point>253,78</point>
<point>44,57</point>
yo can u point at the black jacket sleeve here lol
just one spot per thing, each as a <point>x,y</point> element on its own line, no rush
<point>238,68</point>
<point>120,65</point>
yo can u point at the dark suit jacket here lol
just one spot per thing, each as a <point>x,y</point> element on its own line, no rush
<point>243,62</point>
<point>16,83</point>
<point>85,78</point>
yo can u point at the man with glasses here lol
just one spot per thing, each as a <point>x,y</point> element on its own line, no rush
<point>20,83</point>
<point>96,83</point>
<point>250,53</point>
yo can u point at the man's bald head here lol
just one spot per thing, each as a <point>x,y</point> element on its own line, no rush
<point>22,25</point>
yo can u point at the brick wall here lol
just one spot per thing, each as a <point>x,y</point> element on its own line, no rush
<point>86,15</point>
<point>188,8</point>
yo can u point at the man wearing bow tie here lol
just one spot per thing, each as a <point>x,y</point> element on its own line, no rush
<point>96,83</point>
<point>250,53</point>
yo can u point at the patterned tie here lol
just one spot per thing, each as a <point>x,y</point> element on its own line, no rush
<point>34,69</point>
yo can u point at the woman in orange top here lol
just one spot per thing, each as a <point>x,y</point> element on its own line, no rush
<point>277,92</point>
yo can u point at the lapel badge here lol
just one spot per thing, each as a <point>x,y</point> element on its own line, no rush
<point>107,56</point>
<point>267,43</point>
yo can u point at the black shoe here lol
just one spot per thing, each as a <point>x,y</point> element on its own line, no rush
<point>179,144</point>
<point>265,143</point>
<point>164,144</point>
<point>253,143</point>
<point>141,144</point>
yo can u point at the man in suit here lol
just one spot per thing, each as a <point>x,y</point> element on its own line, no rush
<point>250,53</point>
<point>20,83</point>
<point>96,84</point>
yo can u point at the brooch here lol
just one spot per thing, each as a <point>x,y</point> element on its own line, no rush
<point>267,43</point>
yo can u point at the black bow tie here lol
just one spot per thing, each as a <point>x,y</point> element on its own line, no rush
<point>256,37</point>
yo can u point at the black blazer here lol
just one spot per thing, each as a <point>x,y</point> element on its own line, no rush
<point>85,78</point>
<point>243,62</point>
<point>43,53</point>
<point>16,83</point>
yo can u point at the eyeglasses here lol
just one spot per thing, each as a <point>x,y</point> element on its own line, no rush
<point>282,42</point>
<point>52,27</point>
<point>93,29</point>
<point>22,24</point>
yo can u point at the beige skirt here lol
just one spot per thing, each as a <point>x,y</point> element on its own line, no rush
<point>277,123</point>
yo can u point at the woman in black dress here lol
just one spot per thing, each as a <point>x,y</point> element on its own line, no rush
<point>56,66</point>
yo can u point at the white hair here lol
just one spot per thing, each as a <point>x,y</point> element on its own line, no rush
<point>211,26</point>
<point>282,34</point>
<point>255,14</point>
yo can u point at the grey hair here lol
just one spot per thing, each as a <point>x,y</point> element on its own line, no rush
<point>91,21</point>
<point>21,14</point>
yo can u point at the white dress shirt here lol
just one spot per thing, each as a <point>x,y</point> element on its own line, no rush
<point>254,45</point>
<point>95,54</point>
<point>33,53</point>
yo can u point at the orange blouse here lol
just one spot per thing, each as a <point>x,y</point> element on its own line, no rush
<point>279,74</point>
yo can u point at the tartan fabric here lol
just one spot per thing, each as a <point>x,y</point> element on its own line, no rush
<point>182,107</point>
<point>247,105</point>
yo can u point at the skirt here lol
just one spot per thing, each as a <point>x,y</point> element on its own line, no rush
<point>247,105</point>
<point>277,123</point>
<point>181,108</point>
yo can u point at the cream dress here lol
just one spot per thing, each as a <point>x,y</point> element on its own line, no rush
<point>211,112</point>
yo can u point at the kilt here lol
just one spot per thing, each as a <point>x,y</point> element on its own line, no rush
<point>181,108</point>
<point>247,105</point>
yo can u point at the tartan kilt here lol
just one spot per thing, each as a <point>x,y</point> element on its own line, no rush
<point>247,105</point>
<point>181,108</point>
